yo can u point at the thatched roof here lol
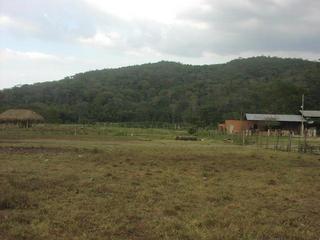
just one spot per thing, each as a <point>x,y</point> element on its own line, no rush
<point>13,115</point>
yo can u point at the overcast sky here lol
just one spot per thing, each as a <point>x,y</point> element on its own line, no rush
<point>42,40</point>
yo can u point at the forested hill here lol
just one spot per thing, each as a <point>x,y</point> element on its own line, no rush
<point>173,92</point>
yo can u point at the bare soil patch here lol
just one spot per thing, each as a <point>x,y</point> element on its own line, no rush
<point>22,150</point>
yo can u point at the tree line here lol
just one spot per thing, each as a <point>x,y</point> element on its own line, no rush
<point>173,93</point>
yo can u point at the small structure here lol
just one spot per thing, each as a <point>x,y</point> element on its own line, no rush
<point>263,122</point>
<point>312,121</point>
<point>22,117</point>
<point>235,126</point>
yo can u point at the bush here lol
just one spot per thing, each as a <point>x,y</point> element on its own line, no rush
<point>192,130</point>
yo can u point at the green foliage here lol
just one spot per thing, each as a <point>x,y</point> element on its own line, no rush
<point>168,92</point>
<point>192,130</point>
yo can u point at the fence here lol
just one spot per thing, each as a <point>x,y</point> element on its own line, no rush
<point>276,140</point>
<point>279,141</point>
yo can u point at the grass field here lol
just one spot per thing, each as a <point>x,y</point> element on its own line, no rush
<point>66,182</point>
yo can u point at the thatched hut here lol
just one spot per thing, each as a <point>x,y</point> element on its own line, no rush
<point>21,117</point>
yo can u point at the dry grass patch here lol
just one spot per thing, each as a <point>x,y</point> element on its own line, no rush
<point>158,190</point>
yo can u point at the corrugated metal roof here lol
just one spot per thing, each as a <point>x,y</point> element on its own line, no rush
<point>307,113</point>
<point>274,117</point>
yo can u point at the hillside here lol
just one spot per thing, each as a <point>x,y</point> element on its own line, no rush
<point>173,92</point>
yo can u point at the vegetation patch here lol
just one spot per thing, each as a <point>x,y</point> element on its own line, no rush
<point>117,188</point>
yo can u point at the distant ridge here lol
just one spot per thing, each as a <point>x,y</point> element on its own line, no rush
<point>174,92</point>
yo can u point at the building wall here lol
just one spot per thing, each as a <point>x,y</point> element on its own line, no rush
<point>236,126</point>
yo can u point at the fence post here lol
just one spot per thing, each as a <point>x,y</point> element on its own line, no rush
<point>243,138</point>
<point>299,144</point>
<point>277,143</point>
<point>289,143</point>
<point>260,139</point>
<point>305,141</point>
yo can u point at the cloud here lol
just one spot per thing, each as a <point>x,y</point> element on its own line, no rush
<point>9,54</point>
<point>164,11</point>
<point>102,39</point>
<point>185,28</point>
<point>226,28</point>
<point>117,33</point>
<point>7,22</point>
<point>25,67</point>
<point>267,25</point>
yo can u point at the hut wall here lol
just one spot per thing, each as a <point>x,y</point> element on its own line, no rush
<point>236,126</point>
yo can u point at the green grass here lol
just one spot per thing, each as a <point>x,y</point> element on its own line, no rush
<point>56,185</point>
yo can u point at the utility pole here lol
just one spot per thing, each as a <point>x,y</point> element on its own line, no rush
<point>302,119</point>
<point>242,130</point>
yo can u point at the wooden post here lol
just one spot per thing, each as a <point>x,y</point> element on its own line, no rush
<point>305,142</point>
<point>277,142</point>
<point>302,120</point>
<point>242,132</point>
<point>243,138</point>
<point>289,143</point>
<point>299,144</point>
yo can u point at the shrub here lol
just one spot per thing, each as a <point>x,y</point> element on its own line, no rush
<point>192,130</point>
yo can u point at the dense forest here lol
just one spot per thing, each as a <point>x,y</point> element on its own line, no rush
<point>173,92</point>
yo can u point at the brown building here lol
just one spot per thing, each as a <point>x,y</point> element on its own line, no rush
<point>263,122</point>
<point>235,126</point>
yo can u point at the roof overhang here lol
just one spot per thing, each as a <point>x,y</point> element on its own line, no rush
<point>274,117</point>
<point>310,113</point>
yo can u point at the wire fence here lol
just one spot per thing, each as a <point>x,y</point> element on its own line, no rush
<point>278,141</point>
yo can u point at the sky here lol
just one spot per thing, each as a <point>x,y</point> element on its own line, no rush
<point>44,40</point>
